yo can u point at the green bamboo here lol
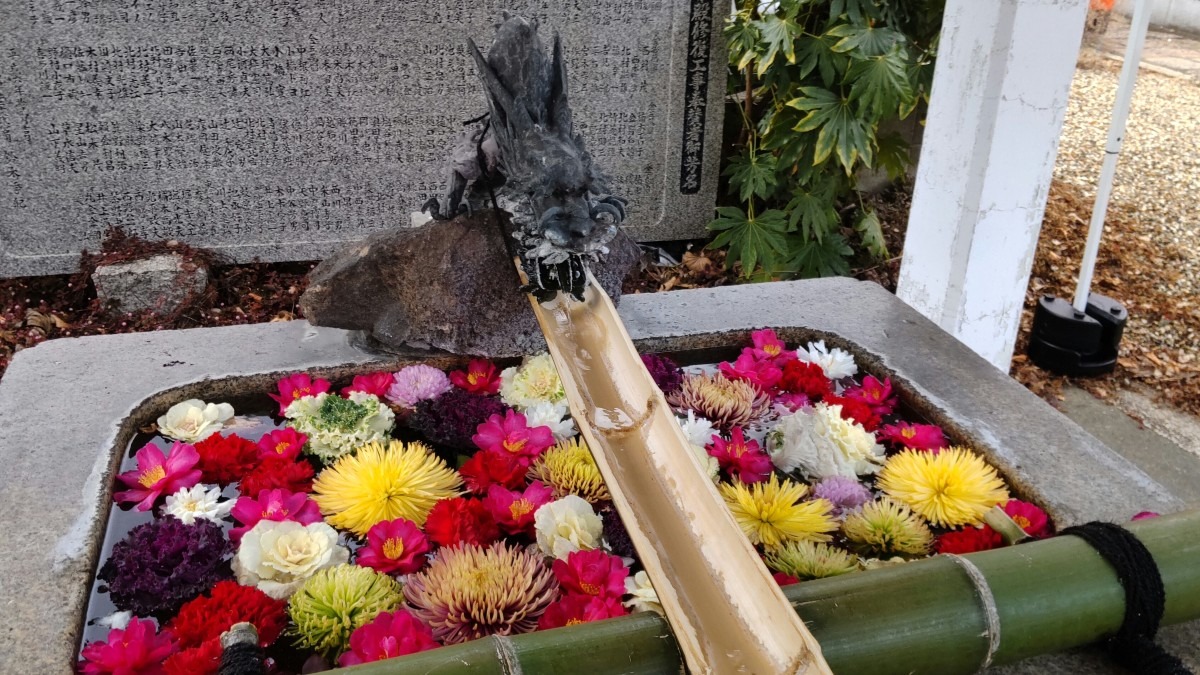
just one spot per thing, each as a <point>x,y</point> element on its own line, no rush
<point>920,617</point>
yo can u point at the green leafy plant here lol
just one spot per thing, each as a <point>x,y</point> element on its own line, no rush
<point>816,82</point>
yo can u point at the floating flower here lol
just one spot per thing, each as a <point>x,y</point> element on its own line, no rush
<point>819,443</point>
<point>854,410</point>
<point>885,527</point>
<point>403,480</point>
<point>1144,515</point>
<point>554,416</point>
<point>726,403</point>
<point>199,502</point>
<point>511,435</point>
<point>335,602</point>
<point>914,436</point>
<point>532,383</point>
<point>159,472</point>
<point>202,660</point>
<point>574,608</point>
<point>115,620</point>
<point>773,512</point>
<point>788,403</point>
<point>846,494</point>
<point>206,617</point>
<point>768,347</point>
<point>134,650</point>
<point>285,443</point>
<point>801,377</point>
<point>388,635</point>
<point>666,373</point>
<point>569,469</point>
<point>969,540</point>
<point>804,560</point>
<point>1030,518</point>
<point>162,564</point>
<point>394,547</point>
<point>876,394</point>
<point>375,384</point>
<point>278,556</point>
<point>954,487</point>
<point>194,420</point>
<point>835,363</point>
<point>452,418</point>
<point>566,526</point>
<point>513,511</point>
<point>615,537</point>
<point>468,592</point>
<point>458,520</point>
<point>295,387</point>
<point>336,426</point>
<point>486,469</point>
<point>226,459</point>
<point>784,579</point>
<point>593,573</point>
<point>742,459</point>
<point>764,375</point>
<point>275,505</point>
<point>642,596</point>
<point>480,377</point>
<point>278,473</point>
<point>698,430</point>
<point>416,383</point>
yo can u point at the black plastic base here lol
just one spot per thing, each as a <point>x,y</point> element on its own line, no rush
<point>1070,342</point>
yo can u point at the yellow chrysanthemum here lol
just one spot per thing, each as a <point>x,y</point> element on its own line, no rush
<point>951,488</point>
<point>884,527</point>
<point>772,512</point>
<point>403,480</point>
<point>569,469</point>
<point>810,560</point>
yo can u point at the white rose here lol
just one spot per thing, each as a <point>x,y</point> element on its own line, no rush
<point>567,525</point>
<point>821,444</point>
<point>643,597</point>
<point>194,420</point>
<point>278,557</point>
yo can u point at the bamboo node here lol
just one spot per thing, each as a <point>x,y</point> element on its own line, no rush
<point>987,601</point>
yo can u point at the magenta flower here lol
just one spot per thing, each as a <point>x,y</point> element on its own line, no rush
<point>1144,515</point>
<point>513,509</point>
<point>740,457</point>
<point>913,436</point>
<point>295,387</point>
<point>388,635</point>
<point>511,435</point>
<point>762,374</point>
<point>285,443</point>
<point>874,393</point>
<point>277,505</point>
<point>394,547</point>
<point>790,403</point>
<point>768,347</point>
<point>134,650</point>
<point>376,384</point>
<point>593,573</point>
<point>1033,520</point>
<point>159,473</point>
<point>413,384</point>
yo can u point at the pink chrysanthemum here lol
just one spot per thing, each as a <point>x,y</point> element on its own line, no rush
<point>275,505</point>
<point>846,494</point>
<point>394,547</point>
<point>285,443</point>
<point>388,635</point>
<point>740,457</point>
<point>913,436</point>
<point>159,473</point>
<point>413,384</point>
<point>295,387</point>
<point>376,384</point>
<point>136,649</point>
<point>511,435</point>
<point>513,510</point>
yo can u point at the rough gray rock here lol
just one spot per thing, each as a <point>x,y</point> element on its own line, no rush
<point>160,283</point>
<point>448,285</point>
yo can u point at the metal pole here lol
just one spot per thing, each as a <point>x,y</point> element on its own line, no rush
<point>1116,134</point>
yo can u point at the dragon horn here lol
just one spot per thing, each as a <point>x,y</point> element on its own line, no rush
<point>513,115</point>
<point>560,112</point>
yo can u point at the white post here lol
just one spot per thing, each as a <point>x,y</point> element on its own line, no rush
<point>999,95</point>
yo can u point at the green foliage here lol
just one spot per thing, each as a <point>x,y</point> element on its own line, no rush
<point>815,80</point>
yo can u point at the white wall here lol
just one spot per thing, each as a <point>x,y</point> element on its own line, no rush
<point>1181,14</point>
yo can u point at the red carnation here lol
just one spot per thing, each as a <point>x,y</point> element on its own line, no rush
<point>459,520</point>
<point>486,469</point>
<point>202,660</point>
<point>855,410</point>
<point>226,459</point>
<point>969,540</point>
<point>206,617</point>
<point>278,473</point>
<point>784,579</point>
<point>801,377</point>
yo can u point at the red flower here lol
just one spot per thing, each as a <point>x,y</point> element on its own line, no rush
<point>388,635</point>
<point>480,377</point>
<point>1033,520</point>
<point>202,660</point>
<point>486,469</point>
<point>159,473</point>
<point>459,520</point>
<point>969,540</point>
<point>801,377</point>
<point>511,435</point>
<point>914,436</point>
<point>278,473</point>
<point>226,459</point>
<point>592,573</point>
<point>206,617</point>
<point>297,386</point>
<point>513,511</point>
<point>855,410</point>
<point>372,383</point>
<point>277,505</point>
<point>574,608</point>
<point>134,650</point>
<point>741,458</point>
<point>785,579</point>
<point>876,394</point>
<point>394,547</point>
<point>285,442</point>
<point>764,375</point>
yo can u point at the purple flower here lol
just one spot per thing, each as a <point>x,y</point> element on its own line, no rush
<point>413,384</point>
<point>666,373</point>
<point>162,564</point>
<point>846,494</point>
<point>452,418</point>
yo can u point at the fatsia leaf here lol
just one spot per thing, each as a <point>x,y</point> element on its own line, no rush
<point>871,232</point>
<point>816,52</point>
<point>892,155</point>
<point>742,37</point>
<point>825,258</point>
<point>814,214</point>
<point>779,36</point>
<point>752,175</point>
<point>864,40</point>
<point>841,131</point>
<point>880,83</point>
<point>751,241</point>
<point>858,11</point>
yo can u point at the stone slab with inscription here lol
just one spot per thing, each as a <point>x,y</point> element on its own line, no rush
<point>281,129</point>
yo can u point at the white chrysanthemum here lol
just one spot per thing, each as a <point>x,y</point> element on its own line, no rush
<point>553,415</point>
<point>278,557</point>
<point>199,502</point>
<point>698,430</point>
<point>820,443</point>
<point>336,425</point>
<point>566,526</point>
<point>643,597</point>
<point>836,363</point>
<point>535,381</point>
<point>194,420</point>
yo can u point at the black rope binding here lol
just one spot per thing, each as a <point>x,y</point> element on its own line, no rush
<point>1133,645</point>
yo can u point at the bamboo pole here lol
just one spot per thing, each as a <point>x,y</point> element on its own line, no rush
<point>921,617</point>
